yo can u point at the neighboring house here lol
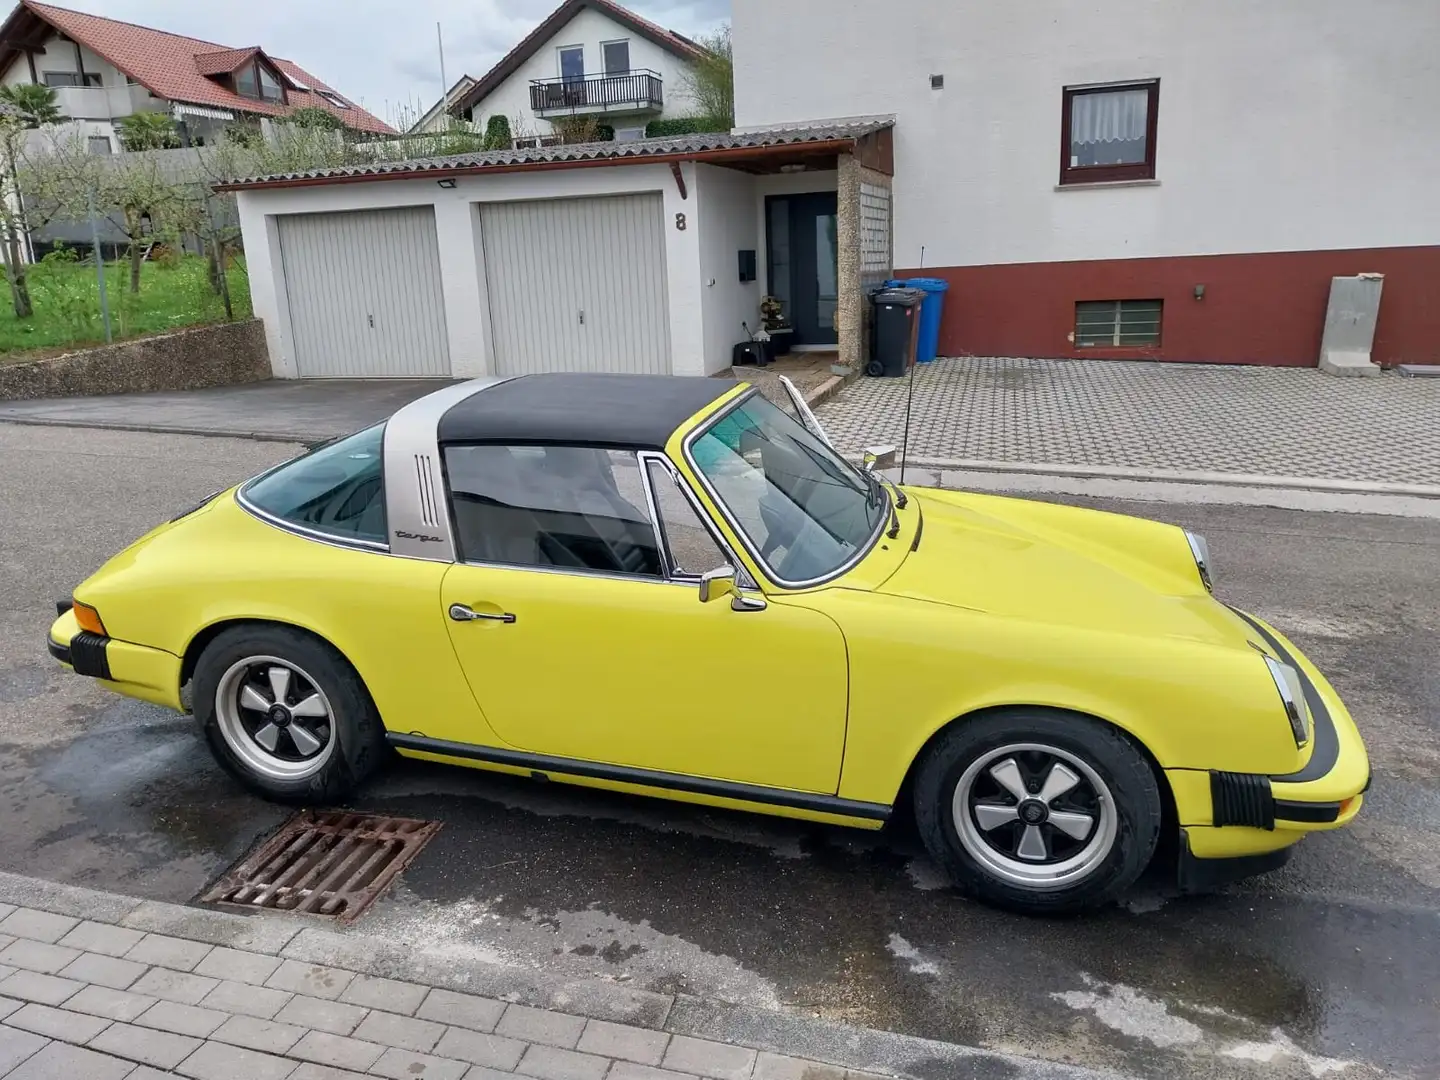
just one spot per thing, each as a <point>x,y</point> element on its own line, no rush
<point>1135,179</point>
<point>103,70</point>
<point>589,58</point>
<point>438,117</point>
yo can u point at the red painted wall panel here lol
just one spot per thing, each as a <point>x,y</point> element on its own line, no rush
<point>1258,309</point>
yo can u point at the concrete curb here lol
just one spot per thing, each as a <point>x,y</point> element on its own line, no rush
<point>1108,472</point>
<point>301,938</point>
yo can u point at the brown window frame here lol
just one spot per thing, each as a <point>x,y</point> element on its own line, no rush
<point>1104,174</point>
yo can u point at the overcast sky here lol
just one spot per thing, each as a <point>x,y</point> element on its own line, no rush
<point>381,53</point>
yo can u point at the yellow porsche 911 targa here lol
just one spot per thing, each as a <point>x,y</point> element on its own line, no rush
<point>671,587</point>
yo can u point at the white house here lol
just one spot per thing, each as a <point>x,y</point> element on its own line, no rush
<point>1136,178</point>
<point>438,117</point>
<point>592,59</point>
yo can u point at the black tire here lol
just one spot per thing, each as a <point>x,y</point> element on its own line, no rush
<point>354,725</point>
<point>1124,842</point>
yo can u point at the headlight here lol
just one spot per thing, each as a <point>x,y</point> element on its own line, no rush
<point>1292,693</point>
<point>1201,550</point>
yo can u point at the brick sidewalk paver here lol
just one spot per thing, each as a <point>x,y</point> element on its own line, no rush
<point>89,1000</point>
<point>1289,422</point>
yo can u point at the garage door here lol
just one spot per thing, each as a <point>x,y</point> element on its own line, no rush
<point>577,285</point>
<point>363,290</point>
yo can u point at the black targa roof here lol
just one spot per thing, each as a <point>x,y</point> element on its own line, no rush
<point>633,412</point>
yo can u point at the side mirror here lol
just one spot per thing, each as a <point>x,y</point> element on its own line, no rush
<point>879,457</point>
<point>717,583</point>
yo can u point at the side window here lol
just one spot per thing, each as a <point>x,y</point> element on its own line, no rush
<point>338,489</point>
<point>567,507</point>
<point>692,547</point>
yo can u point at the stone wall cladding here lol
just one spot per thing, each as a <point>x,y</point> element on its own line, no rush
<point>866,231</point>
<point>219,355</point>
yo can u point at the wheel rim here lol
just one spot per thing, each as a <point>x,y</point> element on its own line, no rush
<point>1035,815</point>
<point>275,718</point>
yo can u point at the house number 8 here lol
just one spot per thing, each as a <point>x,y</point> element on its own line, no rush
<point>680,222</point>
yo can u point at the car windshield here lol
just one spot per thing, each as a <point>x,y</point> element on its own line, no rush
<point>803,509</point>
<point>337,489</point>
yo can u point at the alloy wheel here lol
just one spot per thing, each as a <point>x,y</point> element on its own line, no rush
<point>275,718</point>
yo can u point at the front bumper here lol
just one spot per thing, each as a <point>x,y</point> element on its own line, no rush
<point>133,670</point>
<point>1248,816</point>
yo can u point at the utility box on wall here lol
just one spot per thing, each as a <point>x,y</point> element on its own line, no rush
<point>1350,325</point>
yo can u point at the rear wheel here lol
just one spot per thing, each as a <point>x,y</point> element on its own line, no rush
<point>286,714</point>
<point>1037,811</point>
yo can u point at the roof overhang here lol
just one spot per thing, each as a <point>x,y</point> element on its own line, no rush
<point>778,151</point>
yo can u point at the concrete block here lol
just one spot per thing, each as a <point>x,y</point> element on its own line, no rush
<point>406,1032</point>
<point>541,1025</point>
<point>640,1045</point>
<point>322,1015</point>
<point>148,1047</point>
<point>493,1051</point>
<point>337,1050</point>
<point>1350,320</point>
<point>216,1061</point>
<point>109,971</point>
<point>181,1019</point>
<point>264,1035</point>
<point>177,954</point>
<point>312,980</point>
<point>111,1004</point>
<point>37,925</point>
<point>61,1062</point>
<point>22,891</point>
<point>102,938</point>
<point>57,1023</point>
<point>16,1046</point>
<point>46,989</point>
<point>461,1010</point>
<point>408,1065</point>
<point>260,933</point>
<point>387,994</point>
<point>553,1063</point>
<point>237,966</point>
<point>247,1000</point>
<point>174,986</point>
<point>704,1058</point>
<point>38,956</point>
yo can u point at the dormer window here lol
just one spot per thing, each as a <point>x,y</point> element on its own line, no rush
<point>257,80</point>
<point>270,88</point>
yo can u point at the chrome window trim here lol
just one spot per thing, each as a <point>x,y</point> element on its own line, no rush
<point>701,515</point>
<point>333,539</point>
<point>687,447</point>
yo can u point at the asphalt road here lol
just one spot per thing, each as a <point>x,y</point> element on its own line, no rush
<point>1328,968</point>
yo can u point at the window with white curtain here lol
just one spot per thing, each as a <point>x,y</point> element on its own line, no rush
<point>1109,133</point>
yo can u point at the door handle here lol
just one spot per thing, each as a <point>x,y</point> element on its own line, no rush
<point>461,613</point>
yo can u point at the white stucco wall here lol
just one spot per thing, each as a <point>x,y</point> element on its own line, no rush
<point>726,222</point>
<point>590,28</point>
<point>1283,125</point>
<point>91,107</point>
<point>457,221</point>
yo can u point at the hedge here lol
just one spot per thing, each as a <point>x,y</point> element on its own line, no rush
<point>685,125</point>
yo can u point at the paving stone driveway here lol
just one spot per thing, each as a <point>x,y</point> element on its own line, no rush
<point>1176,417</point>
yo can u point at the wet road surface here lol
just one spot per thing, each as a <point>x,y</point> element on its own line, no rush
<point>1329,968</point>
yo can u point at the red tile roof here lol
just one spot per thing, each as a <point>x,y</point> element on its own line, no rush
<point>174,67</point>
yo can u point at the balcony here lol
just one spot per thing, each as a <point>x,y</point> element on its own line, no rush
<point>629,92</point>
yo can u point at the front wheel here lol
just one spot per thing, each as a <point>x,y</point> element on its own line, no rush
<point>1038,812</point>
<point>286,715</point>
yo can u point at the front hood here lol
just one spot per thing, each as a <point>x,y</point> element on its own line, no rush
<point>1062,565</point>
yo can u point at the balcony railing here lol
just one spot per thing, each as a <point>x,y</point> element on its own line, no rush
<point>632,91</point>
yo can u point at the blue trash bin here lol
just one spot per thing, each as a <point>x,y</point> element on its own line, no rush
<point>930,311</point>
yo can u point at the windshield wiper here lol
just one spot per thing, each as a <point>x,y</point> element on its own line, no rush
<point>901,499</point>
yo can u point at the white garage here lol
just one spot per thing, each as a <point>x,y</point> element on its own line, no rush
<point>363,293</point>
<point>577,284</point>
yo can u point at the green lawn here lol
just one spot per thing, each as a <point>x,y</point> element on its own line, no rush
<point>66,298</point>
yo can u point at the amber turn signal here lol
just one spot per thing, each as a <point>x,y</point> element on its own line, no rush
<point>88,618</point>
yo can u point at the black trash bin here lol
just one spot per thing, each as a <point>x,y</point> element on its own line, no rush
<point>894,331</point>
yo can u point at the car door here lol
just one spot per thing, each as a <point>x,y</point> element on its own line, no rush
<point>583,636</point>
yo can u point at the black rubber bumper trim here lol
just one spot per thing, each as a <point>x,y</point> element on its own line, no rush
<point>86,654</point>
<point>58,651</point>
<point>724,789</point>
<point>1327,741</point>
<point>1201,875</point>
<point>1241,799</point>
<point>1309,812</point>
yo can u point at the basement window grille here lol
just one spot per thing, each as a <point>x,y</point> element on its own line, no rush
<point>1110,324</point>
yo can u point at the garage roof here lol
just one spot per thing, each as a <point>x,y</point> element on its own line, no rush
<point>630,412</point>
<point>736,148</point>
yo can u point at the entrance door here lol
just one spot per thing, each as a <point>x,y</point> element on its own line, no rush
<point>804,263</point>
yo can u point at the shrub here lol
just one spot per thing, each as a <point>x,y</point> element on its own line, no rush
<point>684,125</point>
<point>497,132</point>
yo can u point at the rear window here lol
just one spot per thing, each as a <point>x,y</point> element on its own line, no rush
<point>337,490</point>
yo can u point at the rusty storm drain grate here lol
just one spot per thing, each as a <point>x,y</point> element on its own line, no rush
<point>324,863</point>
